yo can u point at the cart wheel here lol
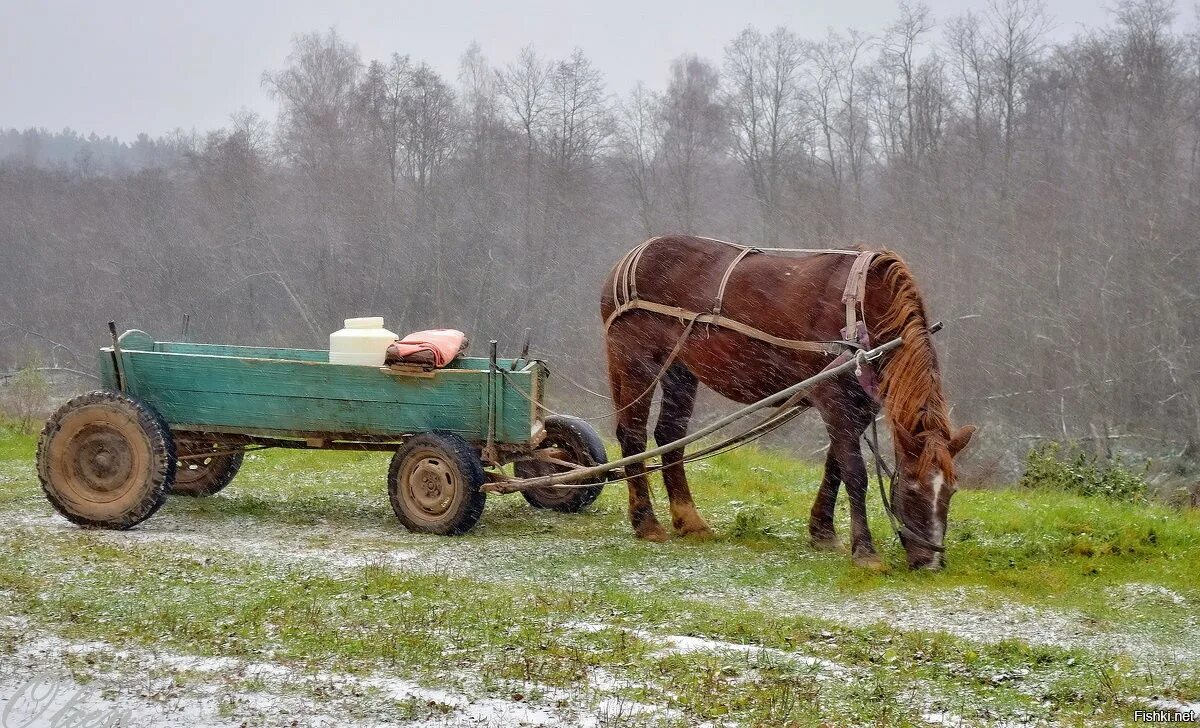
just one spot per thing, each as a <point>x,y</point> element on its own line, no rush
<point>106,460</point>
<point>197,477</point>
<point>434,482</point>
<point>583,447</point>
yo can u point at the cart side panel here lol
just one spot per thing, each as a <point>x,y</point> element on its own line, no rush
<point>515,411</point>
<point>275,395</point>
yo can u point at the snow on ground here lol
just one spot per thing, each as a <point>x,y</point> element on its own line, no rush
<point>966,613</point>
<point>963,612</point>
<point>685,644</point>
<point>155,688</point>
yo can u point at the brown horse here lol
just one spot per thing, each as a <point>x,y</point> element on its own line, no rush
<point>795,298</point>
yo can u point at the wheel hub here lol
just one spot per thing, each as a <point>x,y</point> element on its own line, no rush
<point>103,458</point>
<point>431,485</point>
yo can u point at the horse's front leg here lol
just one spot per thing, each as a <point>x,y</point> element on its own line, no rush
<point>854,474</point>
<point>821,532</point>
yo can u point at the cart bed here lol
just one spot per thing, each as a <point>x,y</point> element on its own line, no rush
<point>297,393</point>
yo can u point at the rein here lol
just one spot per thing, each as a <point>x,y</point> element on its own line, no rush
<point>881,467</point>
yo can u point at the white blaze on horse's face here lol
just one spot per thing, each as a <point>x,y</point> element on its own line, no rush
<point>936,483</point>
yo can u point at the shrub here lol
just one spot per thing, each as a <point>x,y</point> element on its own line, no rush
<point>749,520</point>
<point>1078,471</point>
<point>26,395</point>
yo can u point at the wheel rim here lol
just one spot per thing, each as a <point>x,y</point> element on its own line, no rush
<point>194,469</point>
<point>431,485</point>
<point>576,452</point>
<point>99,459</point>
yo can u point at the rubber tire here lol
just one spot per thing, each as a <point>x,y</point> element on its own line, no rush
<point>144,497</point>
<point>586,449</point>
<point>219,473</point>
<point>457,454</point>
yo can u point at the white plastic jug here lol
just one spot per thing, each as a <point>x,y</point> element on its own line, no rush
<point>363,342</point>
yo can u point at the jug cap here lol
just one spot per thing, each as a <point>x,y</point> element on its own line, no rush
<point>365,322</point>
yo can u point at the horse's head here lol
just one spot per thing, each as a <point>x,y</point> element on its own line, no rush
<point>925,481</point>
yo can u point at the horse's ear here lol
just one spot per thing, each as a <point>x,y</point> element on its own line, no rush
<point>961,439</point>
<point>906,442</point>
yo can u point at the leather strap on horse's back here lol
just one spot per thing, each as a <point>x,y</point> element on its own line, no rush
<point>725,279</point>
<point>855,294</point>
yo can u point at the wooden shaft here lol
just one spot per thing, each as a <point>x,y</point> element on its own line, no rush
<point>779,396</point>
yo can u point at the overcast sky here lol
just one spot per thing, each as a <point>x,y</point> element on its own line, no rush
<point>119,67</point>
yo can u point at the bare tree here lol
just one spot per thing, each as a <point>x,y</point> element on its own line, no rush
<point>1016,28</point>
<point>428,110</point>
<point>316,94</point>
<point>899,51</point>
<point>694,122</point>
<point>837,104</point>
<point>524,86</point>
<point>480,106</point>
<point>969,58</point>
<point>382,95</point>
<point>763,99</point>
<point>578,124</point>
<point>640,149</point>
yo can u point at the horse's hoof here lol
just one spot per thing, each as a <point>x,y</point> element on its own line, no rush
<point>870,562</point>
<point>827,543</point>
<point>655,533</point>
<point>699,532</point>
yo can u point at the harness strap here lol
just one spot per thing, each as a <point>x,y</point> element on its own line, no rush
<point>624,295</point>
<point>822,251</point>
<point>855,293</point>
<point>725,279</point>
<point>625,278</point>
<point>820,347</point>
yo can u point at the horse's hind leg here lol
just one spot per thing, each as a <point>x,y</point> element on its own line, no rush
<point>820,520</point>
<point>629,380</point>
<point>679,396</point>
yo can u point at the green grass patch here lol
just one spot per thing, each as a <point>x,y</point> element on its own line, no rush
<point>544,605</point>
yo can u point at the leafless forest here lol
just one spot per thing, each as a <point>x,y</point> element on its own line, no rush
<point>1048,194</point>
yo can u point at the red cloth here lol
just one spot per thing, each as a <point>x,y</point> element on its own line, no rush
<point>436,347</point>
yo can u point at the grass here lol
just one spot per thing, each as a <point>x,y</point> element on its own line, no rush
<point>1053,606</point>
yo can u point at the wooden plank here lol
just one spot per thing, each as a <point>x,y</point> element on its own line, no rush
<point>256,412</point>
<point>311,355</point>
<point>243,352</point>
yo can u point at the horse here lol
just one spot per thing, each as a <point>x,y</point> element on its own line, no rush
<point>738,350</point>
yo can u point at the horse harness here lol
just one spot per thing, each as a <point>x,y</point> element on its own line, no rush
<point>855,339</point>
<point>854,336</point>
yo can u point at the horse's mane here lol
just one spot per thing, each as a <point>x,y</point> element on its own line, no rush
<point>911,384</point>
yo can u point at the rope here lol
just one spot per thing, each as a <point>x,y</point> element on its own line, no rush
<point>687,330</point>
<point>898,526</point>
<point>766,427</point>
<point>559,374</point>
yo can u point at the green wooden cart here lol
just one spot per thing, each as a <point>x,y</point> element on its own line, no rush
<point>179,417</point>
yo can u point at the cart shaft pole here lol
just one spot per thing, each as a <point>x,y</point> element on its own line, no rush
<point>118,367</point>
<point>778,397</point>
